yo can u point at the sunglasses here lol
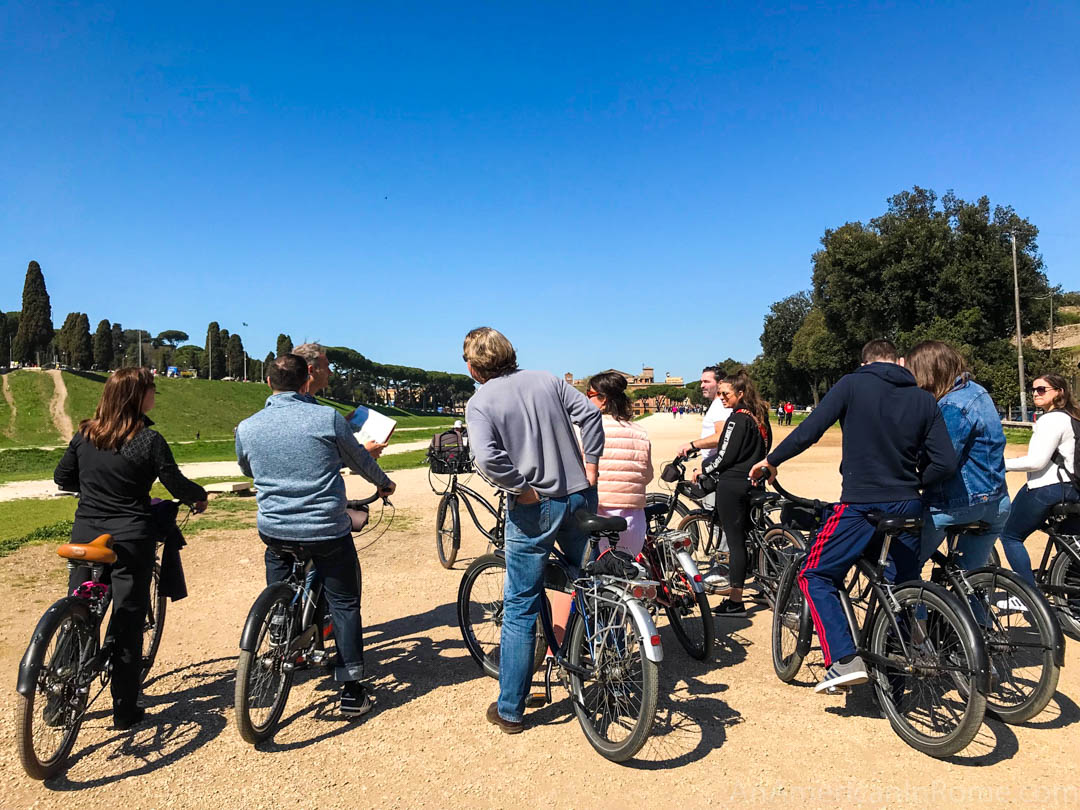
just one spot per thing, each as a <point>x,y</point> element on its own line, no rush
<point>1041,389</point>
<point>590,393</point>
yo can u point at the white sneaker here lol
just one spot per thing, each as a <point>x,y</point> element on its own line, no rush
<point>1012,604</point>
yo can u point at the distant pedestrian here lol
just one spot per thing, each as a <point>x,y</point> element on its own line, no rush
<point>789,411</point>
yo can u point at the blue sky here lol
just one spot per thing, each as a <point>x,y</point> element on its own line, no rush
<point>610,185</point>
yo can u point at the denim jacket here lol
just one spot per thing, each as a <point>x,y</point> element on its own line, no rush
<point>975,429</point>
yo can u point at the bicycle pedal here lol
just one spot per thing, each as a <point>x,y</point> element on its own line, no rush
<point>837,690</point>
<point>535,700</point>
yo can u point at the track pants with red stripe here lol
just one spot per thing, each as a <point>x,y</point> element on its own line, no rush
<point>842,540</point>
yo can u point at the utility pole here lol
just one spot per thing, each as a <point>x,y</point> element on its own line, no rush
<point>1019,341</point>
<point>138,338</point>
<point>1051,327</point>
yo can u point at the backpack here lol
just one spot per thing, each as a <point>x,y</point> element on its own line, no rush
<point>1059,459</point>
<point>448,453</point>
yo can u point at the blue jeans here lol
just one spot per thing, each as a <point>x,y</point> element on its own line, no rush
<point>973,549</point>
<point>1029,511</point>
<point>531,533</point>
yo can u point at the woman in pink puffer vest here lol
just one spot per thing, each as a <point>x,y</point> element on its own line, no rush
<point>626,464</point>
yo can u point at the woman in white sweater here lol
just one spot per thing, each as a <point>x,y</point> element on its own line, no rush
<point>1050,466</point>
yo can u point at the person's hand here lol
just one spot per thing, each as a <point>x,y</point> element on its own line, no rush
<point>762,468</point>
<point>695,476</point>
<point>684,450</point>
<point>198,507</point>
<point>375,448</point>
<point>592,473</point>
<point>528,497</point>
<point>386,492</point>
<point>350,415</point>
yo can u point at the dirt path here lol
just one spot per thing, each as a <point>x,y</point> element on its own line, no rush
<point>728,733</point>
<point>58,406</point>
<point>10,429</point>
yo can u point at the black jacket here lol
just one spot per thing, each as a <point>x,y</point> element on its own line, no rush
<point>741,447</point>
<point>114,485</point>
<point>890,425</point>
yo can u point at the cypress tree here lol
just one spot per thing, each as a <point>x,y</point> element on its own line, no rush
<point>35,321</point>
<point>266,365</point>
<point>118,344</point>
<point>5,340</point>
<point>214,352</point>
<point>236,357</point>
<point>82,347</point>
<point>65,338</point>
<point>284,344</point>
<point>103,346</point>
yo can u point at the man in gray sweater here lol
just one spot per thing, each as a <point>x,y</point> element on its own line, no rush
<point>521,431</point>
<point>295,449</point>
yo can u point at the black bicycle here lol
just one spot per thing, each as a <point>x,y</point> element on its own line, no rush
<point>925,654</point>
<point>610,651</point>
<point>284,632</point>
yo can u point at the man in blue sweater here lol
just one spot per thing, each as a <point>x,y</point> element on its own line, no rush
<point>895,442</point>
<point>295,450</point>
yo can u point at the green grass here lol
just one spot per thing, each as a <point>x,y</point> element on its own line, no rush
<point>84,391</point>
<point>28,464</point>
<point>32,392</point>
<point>18,518</point>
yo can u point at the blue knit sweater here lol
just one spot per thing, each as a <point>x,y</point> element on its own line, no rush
<point>295,450</point>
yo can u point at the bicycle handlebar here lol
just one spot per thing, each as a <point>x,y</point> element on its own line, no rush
<point>812,503</point>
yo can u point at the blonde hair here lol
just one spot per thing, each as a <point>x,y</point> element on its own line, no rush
<point>489,353</point>
<point>935,365</point>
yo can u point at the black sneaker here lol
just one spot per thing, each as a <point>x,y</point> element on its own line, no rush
<point>730,610</point>
<point>125,720</point>
<point>356,699</point>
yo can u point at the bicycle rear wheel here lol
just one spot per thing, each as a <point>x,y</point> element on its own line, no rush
<point>153,624</point>
<point>690,616</point>
<point>264,675</point>
<point>1019,636</point>
<point>448,530</point>
<point>656,526</point>
<point>934,708</point>
<point>616,702</point>
<point>47,721</point>
<point>706,535</point>
<point>775,549</point>
<point>790,623</point>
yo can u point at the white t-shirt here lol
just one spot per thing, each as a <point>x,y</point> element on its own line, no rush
<point>714,417</point>
<point>1052,433</point>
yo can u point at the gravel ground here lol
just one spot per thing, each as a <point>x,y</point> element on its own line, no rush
<point>727,731</point>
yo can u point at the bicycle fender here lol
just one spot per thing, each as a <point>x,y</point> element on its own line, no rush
<point>644,623</point>
<point>249,638</point>
<point>690,568</point>
<point>1057,639</point>
<point>28,674</point>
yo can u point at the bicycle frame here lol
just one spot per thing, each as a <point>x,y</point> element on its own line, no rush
<point>496,534</point>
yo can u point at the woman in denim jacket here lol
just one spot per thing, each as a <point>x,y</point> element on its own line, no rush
<point>977,491</point>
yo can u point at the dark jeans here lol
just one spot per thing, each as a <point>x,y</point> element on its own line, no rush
<point>130,579</point>
<point>731,507</point>
<point>336,562</point>
<point>1030,508</point>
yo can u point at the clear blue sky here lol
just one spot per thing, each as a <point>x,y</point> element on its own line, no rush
<point>609,185</point>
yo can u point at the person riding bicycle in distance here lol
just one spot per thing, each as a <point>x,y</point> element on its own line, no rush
<point>894,443</point>
<point>295,449</point>
<point>521,430</point>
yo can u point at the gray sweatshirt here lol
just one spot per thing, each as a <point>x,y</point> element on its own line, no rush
<point>521,433</point>
<point>295,449</point>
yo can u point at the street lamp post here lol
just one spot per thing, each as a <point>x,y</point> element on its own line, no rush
<point>1019,339</point>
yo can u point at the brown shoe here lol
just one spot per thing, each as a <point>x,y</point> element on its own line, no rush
<point>504,725</point>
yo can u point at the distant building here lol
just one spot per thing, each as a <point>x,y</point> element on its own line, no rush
<point>634,382</point>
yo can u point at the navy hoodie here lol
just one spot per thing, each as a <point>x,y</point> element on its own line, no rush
<point>891,429</point>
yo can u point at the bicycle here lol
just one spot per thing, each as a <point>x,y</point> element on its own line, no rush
<point>1058,573</point>
<point>675,473</point>
<point>284,631</point>
<point>610,651</point>
<point>448,519</point>
<point>924,653</point>
<point>66,655</point>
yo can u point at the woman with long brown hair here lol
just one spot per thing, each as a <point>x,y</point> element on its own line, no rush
<point>112,461</point>
<point>1051,468</point>
<point>745,440</point>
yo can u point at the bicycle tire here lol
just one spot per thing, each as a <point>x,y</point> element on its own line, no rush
<point>657,526</point>
<point>67,643</point>
<point>480,614</point>
<point>683,624</point>
<point>610,691</point>
<point>790,622</point>
<point>153,623</point>
<point>448,537</point>
<point>949,637</point>
<point>774,551</point>
<point>277,627</point>
<point>995,558</point>
<point>1019,655</point>
<point>705,534</point>
<point>1065,571</point>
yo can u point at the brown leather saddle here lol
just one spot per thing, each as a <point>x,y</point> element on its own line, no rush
<point>98,550</point>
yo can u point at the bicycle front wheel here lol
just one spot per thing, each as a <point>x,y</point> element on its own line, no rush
<point>706,535</point>
<point>928,692</point>
<point>790,623</point>
<point>153,624</point>
<point>448,530</point>
<point>774,551</point>
<point>264,675</point>
<point>1065,573</point>
<point>616,701</point>
<point>658,525</point>
<point>48,720</point>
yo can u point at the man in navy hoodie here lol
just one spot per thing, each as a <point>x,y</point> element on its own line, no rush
<point>895,442</point>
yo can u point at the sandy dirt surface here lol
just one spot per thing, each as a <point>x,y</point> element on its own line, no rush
<point>9,428</point>
<point>727,731</point>
<point>58,406</point>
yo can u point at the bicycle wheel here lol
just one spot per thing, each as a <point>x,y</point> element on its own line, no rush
<point>263,680</point>
<point>705,534</point>
<point>616,701</point>
<point>790,622</point>
<point>1065,572</point>
<point>153,624</point>
<point>775,549</point>
<point>1019,637</point>
<point>480,613</point>
<point>690,616</point>
<point>447,530</point>
<point>932,707</point>
<point>656,526</point>
<point>48,720</point>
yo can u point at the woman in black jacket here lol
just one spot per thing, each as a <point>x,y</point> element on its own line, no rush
<point>745,440</point>
<point>112,462</point>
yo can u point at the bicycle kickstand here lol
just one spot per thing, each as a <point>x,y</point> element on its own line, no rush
<point>541,698</point>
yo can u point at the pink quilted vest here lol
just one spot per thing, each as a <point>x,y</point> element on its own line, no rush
<point>626,465</point>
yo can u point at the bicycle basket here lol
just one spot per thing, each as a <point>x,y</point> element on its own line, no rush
<point>448,453</point>
<point>670,474</point>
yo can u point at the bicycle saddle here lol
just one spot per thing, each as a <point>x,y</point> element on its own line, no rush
<point>594,524</point>
<point>1066,509</point>
<point>975,527</point>
<point>98,550</point>
<point>655,510</point>
<point>887,523</point>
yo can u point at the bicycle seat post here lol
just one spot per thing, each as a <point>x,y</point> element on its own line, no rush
<point>883,557</point>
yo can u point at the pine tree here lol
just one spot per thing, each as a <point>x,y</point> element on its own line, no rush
<point>284,344</point>
<point>103,346</point>
<point>35,321</point>
<point>82,347</point>
<point>235,354</point>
